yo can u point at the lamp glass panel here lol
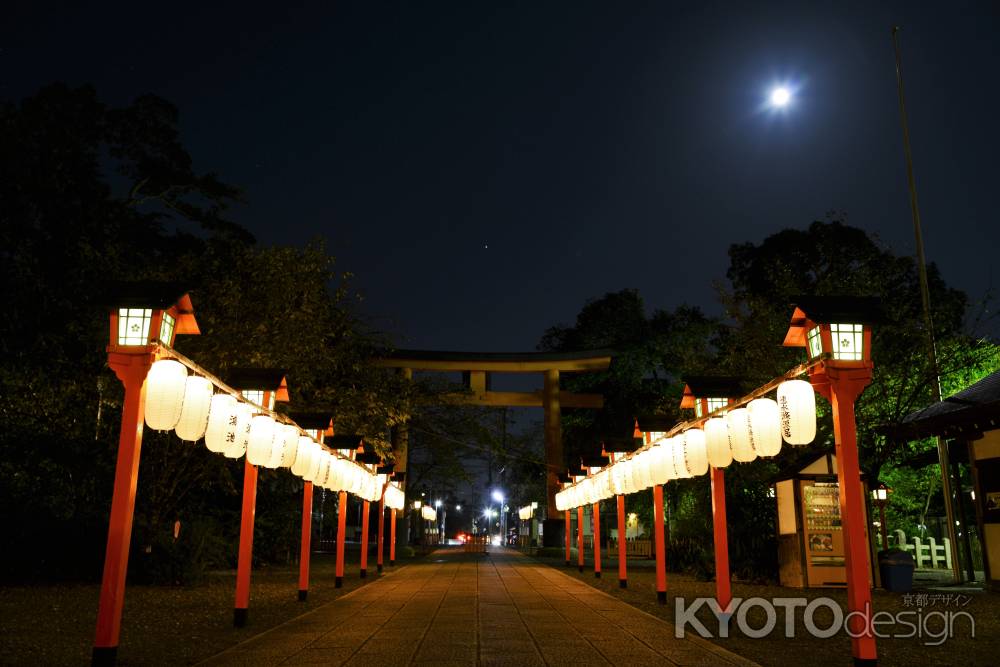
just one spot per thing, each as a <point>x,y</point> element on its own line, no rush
<point>255,396</point>
<point>167,329</point>
<point>848,341</point>
<point>697,408</point>
<point>716,403</point>
<point>133,326</point>
<point>815,343</point>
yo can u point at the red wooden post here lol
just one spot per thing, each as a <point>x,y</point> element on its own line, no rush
<point>622,543</point>
<point>364,539</point>
<point>569,538</point>
<point>597,539</point>
<point>245,562</point>
<point>381,532</point>
<point>660,546</point>
<point>845,387</point>
<point>723,587</point>
<point>579,537</point>
<point>341,535</point>
<point>131,369</point>
<point>304,550</point>
<point>392,537</point>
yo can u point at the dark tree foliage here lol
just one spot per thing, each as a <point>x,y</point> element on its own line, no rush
<point>89,195</point>
<point>653,353</point>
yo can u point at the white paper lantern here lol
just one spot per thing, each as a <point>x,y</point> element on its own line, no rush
<point>286,437</point>
<point>797,406</point>
<point>221,430</point>
<point>303,456</point>
<point>740,436</point>
<point>764,426</point>
<point>323,470</point>
<point>262,430</point>
<point>237,448</point>
<point>695,455</point>
<point>165,386</point>
<point>677,449</point>
<point>194,413</point>
<point>717,447</point>
<point>658,464</point>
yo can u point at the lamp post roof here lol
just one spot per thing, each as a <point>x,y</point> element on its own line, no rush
<point>313,421</point>
<point>160,295</point>
<point>345,441</point>
<point>620,444</point>
<point>259,379</point>
<point>709,386</point>
<point>648,423</point>
<point>845,309</point>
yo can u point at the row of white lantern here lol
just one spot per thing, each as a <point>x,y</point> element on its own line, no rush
<point>743,435</point>
<point>186,404</point>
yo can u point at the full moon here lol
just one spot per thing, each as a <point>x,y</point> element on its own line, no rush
<point>780,97</point>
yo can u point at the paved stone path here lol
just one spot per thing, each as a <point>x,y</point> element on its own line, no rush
<point>458,609</point>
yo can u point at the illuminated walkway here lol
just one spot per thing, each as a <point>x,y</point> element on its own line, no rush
<point>457,609</point>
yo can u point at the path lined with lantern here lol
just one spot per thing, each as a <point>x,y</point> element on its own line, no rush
<point>238,421</point>
<point>741,429</point>
<point>169,392</point>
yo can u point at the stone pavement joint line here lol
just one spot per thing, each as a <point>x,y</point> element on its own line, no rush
<point>454,608</point>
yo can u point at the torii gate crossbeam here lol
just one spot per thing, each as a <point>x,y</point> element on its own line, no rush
<point>477,367</point>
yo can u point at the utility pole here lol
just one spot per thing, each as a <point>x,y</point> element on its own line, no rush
<point>925,298</point>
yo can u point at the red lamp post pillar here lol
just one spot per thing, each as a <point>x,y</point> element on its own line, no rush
<point>622,542</point>
<point>364,539</point>
<point>844,388</point>
<point>131,369</point>
<point>723,587</point>
<point>245,562</point>
<point>341,534</point>
<point>660,546</point>
<point>381,532</point>
<point>304,551</point>
<point>392,537</point>
<point>579,537</point>
<point>569,538</point>
<point>597,539</point>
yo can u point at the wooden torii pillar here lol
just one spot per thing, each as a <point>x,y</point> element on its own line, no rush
<point>477,368</point>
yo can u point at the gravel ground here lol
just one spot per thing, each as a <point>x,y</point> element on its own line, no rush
<point>776,649</point>
<point>54,624</point>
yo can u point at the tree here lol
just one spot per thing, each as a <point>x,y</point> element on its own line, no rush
<point>90,195</point>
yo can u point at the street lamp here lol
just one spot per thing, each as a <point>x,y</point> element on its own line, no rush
<point>499,497</point>
<point>880,494</point>
<point>141,315</point>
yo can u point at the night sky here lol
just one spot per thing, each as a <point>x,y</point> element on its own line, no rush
<point>484,169</point>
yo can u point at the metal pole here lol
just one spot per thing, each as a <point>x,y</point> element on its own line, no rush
<point>723,586</point>
<point>597,538</point>
<point>341,535</point>
<point>569,539</point>
<point>307,502</point>
<point>926,302</point>
<point>381,532</point>
<point>661,547</point>
<point>622,544</point>
<point>366,509</point>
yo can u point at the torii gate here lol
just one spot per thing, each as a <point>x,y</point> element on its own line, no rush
<point>477,367</point>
